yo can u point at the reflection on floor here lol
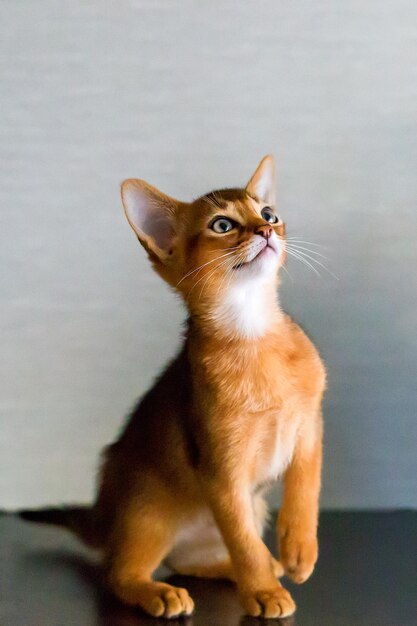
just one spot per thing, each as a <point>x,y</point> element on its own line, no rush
<point>366,576</point>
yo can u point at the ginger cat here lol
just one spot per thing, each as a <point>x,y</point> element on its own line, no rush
<point>237,408</point>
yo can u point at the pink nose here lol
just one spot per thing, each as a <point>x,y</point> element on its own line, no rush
<point>264,231</point>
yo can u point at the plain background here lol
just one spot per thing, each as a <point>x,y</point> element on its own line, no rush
<point>189,96</point>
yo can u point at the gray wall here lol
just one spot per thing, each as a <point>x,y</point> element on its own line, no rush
<point>190,96</point>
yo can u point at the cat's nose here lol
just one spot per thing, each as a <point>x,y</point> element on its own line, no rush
<point>264,231</point>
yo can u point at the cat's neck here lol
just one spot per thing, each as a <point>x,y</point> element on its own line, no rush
<point>246,310</point>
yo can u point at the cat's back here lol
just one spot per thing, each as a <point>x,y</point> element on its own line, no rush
<point>159,423</point>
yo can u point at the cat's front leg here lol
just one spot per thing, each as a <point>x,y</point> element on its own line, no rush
<point>259,590</point>
<point>298,517</point>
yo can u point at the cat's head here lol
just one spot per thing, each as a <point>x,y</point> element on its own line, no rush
<point>224,238</point>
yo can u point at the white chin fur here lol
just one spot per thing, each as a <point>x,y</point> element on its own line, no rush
<point>245,307</point>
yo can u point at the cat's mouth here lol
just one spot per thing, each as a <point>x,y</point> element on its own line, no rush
<point>267,248</point>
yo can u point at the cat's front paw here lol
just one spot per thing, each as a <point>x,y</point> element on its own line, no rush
<point>298,551</point>
<point>275,602</point>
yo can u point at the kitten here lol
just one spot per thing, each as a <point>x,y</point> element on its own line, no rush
<point>237,408</point>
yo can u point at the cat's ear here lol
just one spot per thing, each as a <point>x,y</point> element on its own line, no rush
<point>262,183</point>
<point>152,215</point>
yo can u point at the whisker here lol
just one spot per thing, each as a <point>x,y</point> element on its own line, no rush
<point>297,240</point>
<point>197,269</point>
<point>209,275</point>
<point>303,260</point>
<point>224,263</point>
<point>229,264</point>
<point>297,247</point>
<point>212,270</point>
<point>213,202</point>
<point>229,272</point>
<point>236,259</point>
<point>304,254</point>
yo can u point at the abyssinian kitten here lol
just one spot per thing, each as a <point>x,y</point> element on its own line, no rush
<point>237,408</point>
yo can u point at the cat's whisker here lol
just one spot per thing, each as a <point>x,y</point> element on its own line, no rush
<point>208,277</point>
<point>305,255</point>
<point>197,269</point>
<point>295,246</point>
<point>227,275</point>
<point>200,267</point>
<point>218,200</point>
<point>297,240</point>
<point>229,271</point>
<point>296,255</point>
<point>229,264</point>
<point>214,203</point>
<point>210,202</point>
<point>212,270</point>
<point>239,260</point>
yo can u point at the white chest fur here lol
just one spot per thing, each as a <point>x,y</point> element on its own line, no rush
<point>245,309</point>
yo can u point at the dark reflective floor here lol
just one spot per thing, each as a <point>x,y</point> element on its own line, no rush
<point>366,576</point>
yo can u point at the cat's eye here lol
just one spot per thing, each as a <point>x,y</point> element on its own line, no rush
<point>222,225</point>
<point>269,216</point>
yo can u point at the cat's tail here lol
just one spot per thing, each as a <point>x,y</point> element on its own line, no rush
<point>81,520</point>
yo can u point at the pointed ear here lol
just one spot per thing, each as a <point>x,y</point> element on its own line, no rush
<point>262,183</point>
<point>152,215</point>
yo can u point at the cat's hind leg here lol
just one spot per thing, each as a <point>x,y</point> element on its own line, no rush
<point>142,535</point>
